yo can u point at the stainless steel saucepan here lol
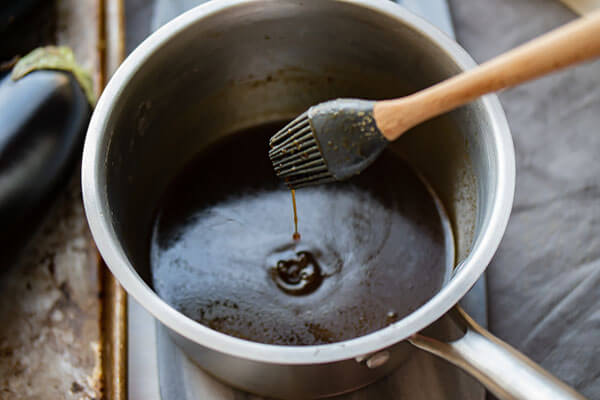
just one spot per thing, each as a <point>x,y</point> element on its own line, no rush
<point>230,64</point>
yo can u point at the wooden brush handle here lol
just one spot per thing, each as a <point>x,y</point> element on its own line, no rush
<point>570,44</point>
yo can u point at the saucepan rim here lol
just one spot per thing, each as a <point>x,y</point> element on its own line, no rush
<point>97,210</point>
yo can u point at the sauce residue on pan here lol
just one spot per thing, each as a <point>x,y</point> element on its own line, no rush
<point>373,248</point>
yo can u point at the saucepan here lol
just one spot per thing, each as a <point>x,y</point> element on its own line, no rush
<point>232,64</point>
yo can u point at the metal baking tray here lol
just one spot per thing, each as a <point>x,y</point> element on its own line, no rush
<point>63,316</point>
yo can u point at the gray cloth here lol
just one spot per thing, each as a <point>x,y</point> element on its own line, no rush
<point>544,282</point>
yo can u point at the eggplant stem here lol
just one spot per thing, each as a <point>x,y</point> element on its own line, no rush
<point>55,58</point>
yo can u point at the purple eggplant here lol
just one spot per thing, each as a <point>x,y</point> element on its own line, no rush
<point>43,118</point>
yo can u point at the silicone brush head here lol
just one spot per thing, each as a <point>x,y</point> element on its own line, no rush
<point>332,141</point>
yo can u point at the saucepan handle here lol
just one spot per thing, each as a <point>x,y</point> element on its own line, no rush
<point>504,371</point>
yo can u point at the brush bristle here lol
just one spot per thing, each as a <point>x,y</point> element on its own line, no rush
<point>296,156</point>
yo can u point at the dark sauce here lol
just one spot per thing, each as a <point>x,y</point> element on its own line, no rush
<point>373,248</point>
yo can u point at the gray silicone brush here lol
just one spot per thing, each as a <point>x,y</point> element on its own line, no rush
<point>338,139</point>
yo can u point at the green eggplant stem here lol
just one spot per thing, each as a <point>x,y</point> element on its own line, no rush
<point>55,58</point>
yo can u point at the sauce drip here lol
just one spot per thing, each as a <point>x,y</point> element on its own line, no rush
<point>296,235</point>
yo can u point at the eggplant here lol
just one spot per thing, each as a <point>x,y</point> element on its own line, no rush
<point>44,114</point>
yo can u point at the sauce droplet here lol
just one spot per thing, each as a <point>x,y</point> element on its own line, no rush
<point>296,235</point>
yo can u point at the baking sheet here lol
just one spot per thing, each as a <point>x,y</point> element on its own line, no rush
<point>50,330</point>
<point>62,314</point>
